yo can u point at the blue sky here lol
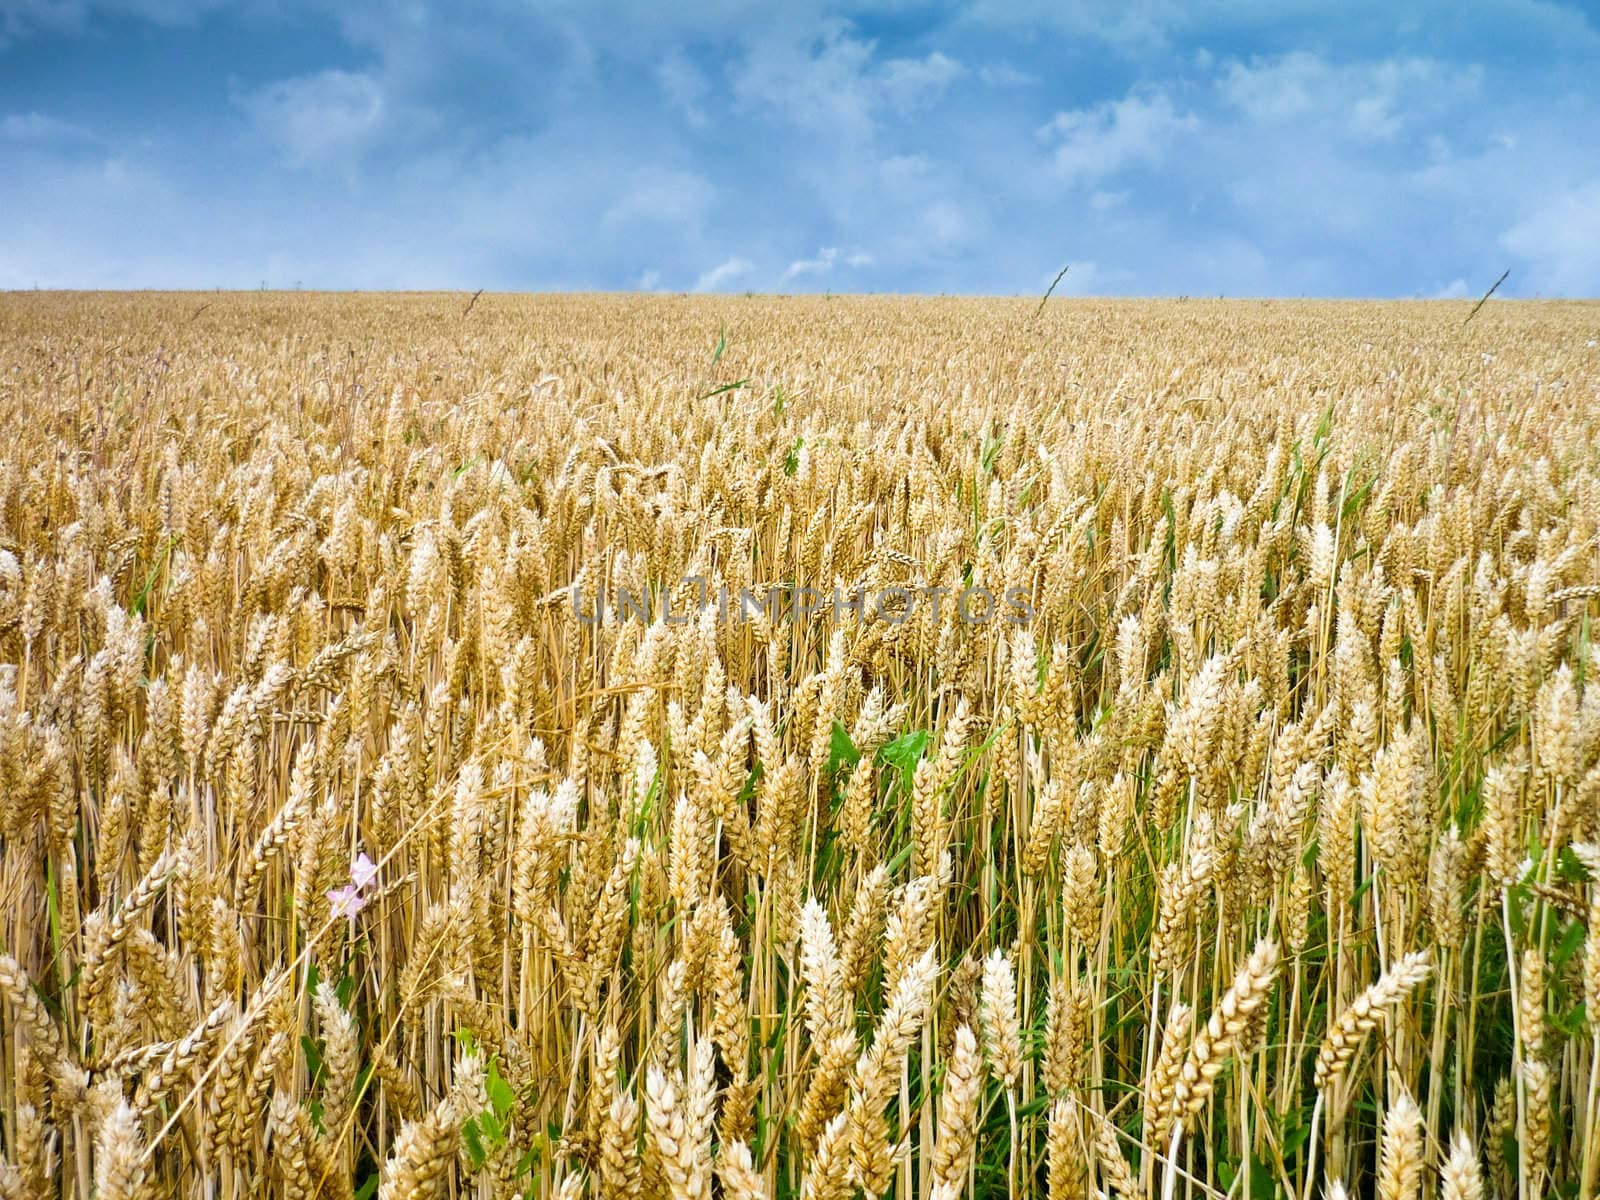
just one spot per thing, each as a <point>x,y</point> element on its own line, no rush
<point>1259,147</point>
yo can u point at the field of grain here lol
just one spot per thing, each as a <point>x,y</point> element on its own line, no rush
<point>353,844</point>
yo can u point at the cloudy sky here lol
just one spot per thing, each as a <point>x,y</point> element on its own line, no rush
<point>1202,147</point>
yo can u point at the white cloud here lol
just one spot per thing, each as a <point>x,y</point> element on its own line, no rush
<point>910,83</point>
<point>37,127</point>
<point>1003,74</point>
<point>1368,101</point>
<point>1560,242</point>
<point>901,172</point>
<point>946,223</point>
<point>654,196</point>
<point>317,118</point>
<point>832,83</point>
<point>1126,24</point>
<point>89,219</point>
<point>685,85</point>
<point>820,265</point>
<point>823,263</point>
<point>1135,27</point>
<point>1093,143</point>
<point>723,273</point>
<point>1281,90</point>
<point>637,145</point>
<point>21,18</point>
<point>817,84</point>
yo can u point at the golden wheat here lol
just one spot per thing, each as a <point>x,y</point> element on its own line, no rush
<point>624,747</point>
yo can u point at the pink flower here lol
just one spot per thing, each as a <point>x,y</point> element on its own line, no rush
<point>352,897</point>
<point>363,871</point>
<point>347,901</point>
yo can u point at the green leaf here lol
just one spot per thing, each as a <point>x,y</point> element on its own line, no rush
<point>841,749</point>
<point>722,344</point>
<point>313,1053</point>
<point>791,461</point>
<point>1570,868</point>
<point>991,451</point>
<point>747,792</point>
<point>500,1094</point>
<point>475,1151</point>
<point>1355,498</point>
<point>1572,1022</point>
<point>493,1132</point>
<point>1263,1182</point>
<point>1361,890</point>
<point>1324,428</point>
<point>727,387</point>
<point>1520,894</point>
<point>1227,1172</point>
<point>368,1188</point>
<point>905,752</point>
<point>1571,940</point>
<point>1296,1132</point>
<point>142,600</point>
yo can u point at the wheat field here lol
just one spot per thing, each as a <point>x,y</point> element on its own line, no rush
<point>429,767</point>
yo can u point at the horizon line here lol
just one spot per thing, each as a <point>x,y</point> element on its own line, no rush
<point>759,295</point>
